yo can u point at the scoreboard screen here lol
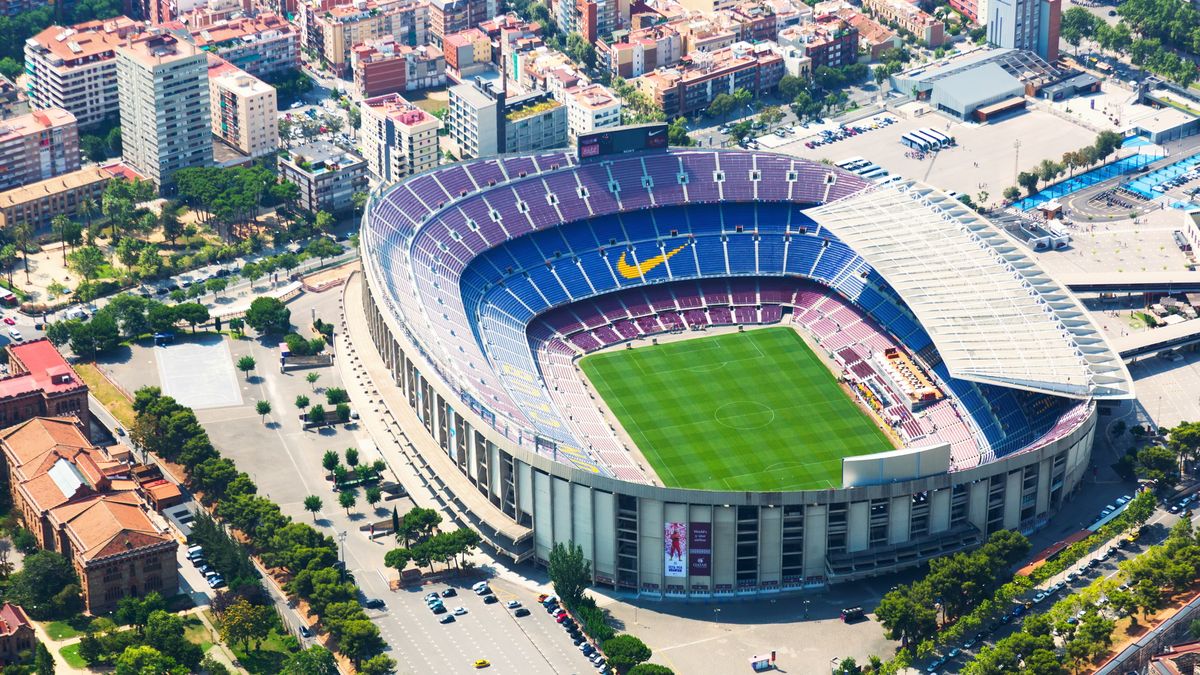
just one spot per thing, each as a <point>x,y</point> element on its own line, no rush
<point>620,140</point>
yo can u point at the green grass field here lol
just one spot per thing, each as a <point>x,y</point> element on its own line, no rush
<point>741,411</point>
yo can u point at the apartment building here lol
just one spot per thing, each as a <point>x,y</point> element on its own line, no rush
<point>909,17</point>
<point>451,16</point>
<point>509,35</point>
<point>829,41</point>
<point>638,52</point>
<point>13,101</point>
<point>262,46</point>
<point>1032,25</point>
<point>483,120</point>
<point>398,138</point>
<point>590,107</point>
<point>164,94</point>
<point>751,21</point>
<point>592,19</point>
<point>468,52</point>
<point>38,203</point>
<point>243,109</point>
<point>332,29</point>
<point>975,10</point>
<point>874,37</point>
<point>690,86</point>
<point>74,68</point>
<point>327,176</point>
<point>385,66</point>
<point>81,503</point>
<point>36,146</point>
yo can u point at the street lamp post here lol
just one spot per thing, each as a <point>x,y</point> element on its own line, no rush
<point>342,556</point>
<point>833,663</point>
<point>717,616</point>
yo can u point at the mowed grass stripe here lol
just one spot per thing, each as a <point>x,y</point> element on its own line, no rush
<point>740,411</point>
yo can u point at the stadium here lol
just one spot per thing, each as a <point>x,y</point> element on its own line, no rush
<point>724,372</point>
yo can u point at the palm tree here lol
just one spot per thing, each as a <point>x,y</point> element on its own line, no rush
<point>22,234</point>
<point>87,209</point>
<point>60,223</point>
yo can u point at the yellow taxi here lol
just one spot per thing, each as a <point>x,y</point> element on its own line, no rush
<point>482,663</point>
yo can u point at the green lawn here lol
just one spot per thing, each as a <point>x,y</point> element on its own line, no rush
<point>65,630</point>
<point>70,654</point>
<point>742,411</point>
<point>268,658</point>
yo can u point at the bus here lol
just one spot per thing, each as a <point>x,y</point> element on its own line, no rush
<point>846,163</point>
<point>915,142</point>
<point>933,141</point>
<point>942,139</point>
<point>865,168</point>
<point>877,172</point>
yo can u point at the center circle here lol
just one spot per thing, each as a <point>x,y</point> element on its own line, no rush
<point>744,415</point>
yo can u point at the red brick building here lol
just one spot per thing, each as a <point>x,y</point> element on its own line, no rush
<point>85,505</point>
<point>16,633</point>
<point>40,382</point>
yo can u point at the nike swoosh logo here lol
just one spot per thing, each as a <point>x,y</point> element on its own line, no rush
<point>641,269</point>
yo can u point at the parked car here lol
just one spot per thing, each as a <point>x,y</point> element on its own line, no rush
<point>449,593</point>
<point>449,618</point>
<point>490,599</point>
<point>305,631</point>
<point>521,611</point>
<point>459,611</point>
<point>512,604</point>
<point>373,603</point>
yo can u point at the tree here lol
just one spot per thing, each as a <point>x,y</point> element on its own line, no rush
<point>352,457</point>
<point>136,611</point>
<point>330,460</point>
<point>396,523</point>
<point>263,408</point>
<point>146,660</point>
<point>625,651</point>
<point>397,558</point>
<point>347,499</point>
<point>380,664</point>
<point>311,379</point>
<point>316,660</point>
<point>721,106</point>
<point>269,315</point>
<point>246,364</point>
<point>1077,24</point>
<point>43,576</point>
<point>323,221</point>
<point>316,414</point>
<point>217,284</point>
<point>569,571</point>
<point>1156,463</point>
<point>1029,181</point>
<point>770,116</point>
<point>312,504</point>
<point>373,496</point>
<point>905,619</point>
<point>22,235</point>
<point>60,224</point>
<point>301,401</point>
<point>650,669</point>
<point>86,262</point>
<point>192,313</point>
<point>165,632</point>
<point>360,640</point>
<point>244,623</point>
<point>43,662</point>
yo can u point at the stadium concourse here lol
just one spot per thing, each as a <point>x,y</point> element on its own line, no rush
<point>486,281</point>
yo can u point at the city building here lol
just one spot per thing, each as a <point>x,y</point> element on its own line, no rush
<point>510,35</point>
<point>37,146</point>
<point>984,83</point>
<point>468,52</point>
<point>876,38</point>
<point>262,46</point>
<point>751,21</point>
<point>82,504</point>
<point>38,203</point>
<point>693,84</point>
<point>75,68</point>
<point>16,633</point>
<point>703,33</point>
<point>1032,25</point>
<point>590,107</point>
<point>398,138</point>
<point>39,382</point>
<point>197,14</point>
<point>829,41</point>
<point>909,17</point>
<point>385,66</point>
<point>635,53</point>
<point>975,10</point>
<point>243,109</point>
<point>592,19</point>
<point>165,122</point>
<point>327,176</point>
<point>451,16</point>
<point>484,120</point>
<point>332,29</point>
<point>13,101</point>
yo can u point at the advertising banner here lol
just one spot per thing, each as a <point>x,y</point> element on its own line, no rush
<point>675,549</point>
<point>700,549</point>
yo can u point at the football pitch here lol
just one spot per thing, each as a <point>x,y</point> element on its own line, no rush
<point>741,411</point>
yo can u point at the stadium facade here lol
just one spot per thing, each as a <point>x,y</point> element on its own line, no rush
<point>484,281</point>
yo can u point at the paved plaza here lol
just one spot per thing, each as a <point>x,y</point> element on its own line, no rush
<point>199,374</point>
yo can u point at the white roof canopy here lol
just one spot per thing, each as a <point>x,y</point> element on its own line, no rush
<point>994,315</point>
